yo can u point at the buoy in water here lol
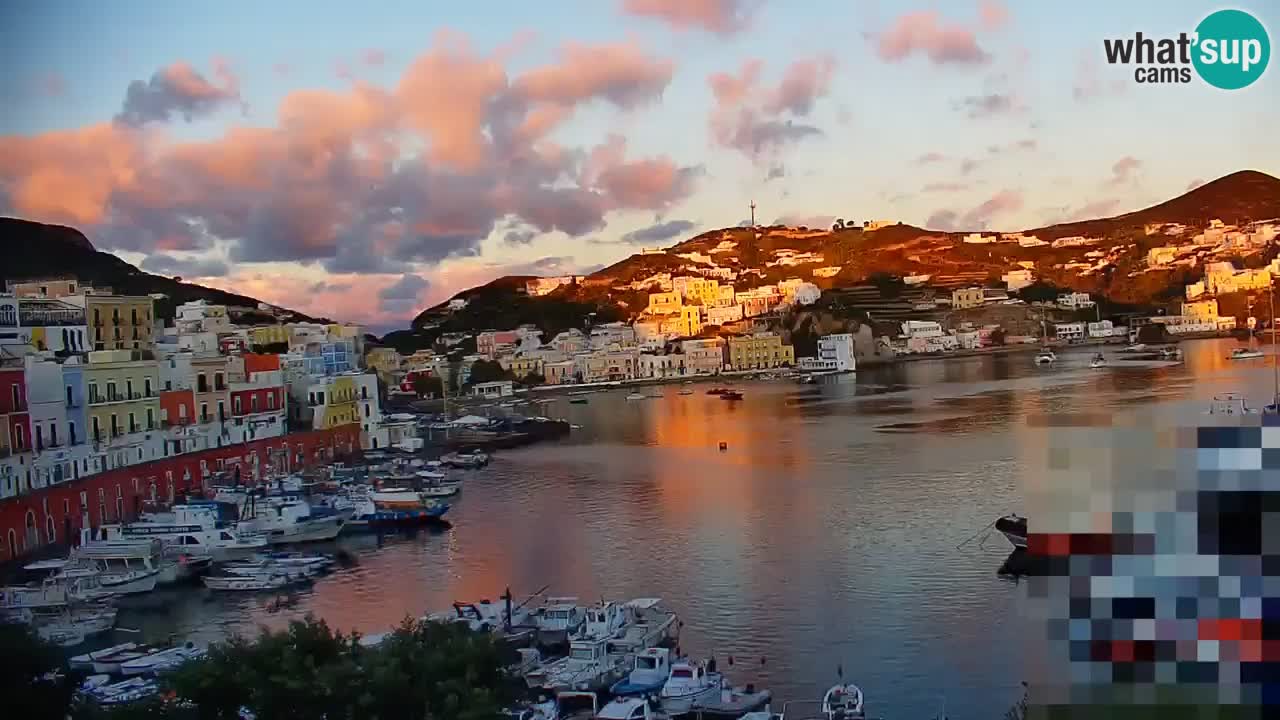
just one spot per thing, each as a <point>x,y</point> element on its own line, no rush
<point>724,446</point>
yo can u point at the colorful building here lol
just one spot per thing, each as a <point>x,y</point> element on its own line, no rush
<point>760,351</point>
<point>118,322</point>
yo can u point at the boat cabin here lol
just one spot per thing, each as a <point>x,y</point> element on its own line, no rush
<point>657,660</point>
<point>587,652</point>
<point>604,620</point>
<point>561,614</point>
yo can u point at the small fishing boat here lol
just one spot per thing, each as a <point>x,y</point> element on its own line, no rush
<point>685,391</point>
<point>577,401</point>
<point>1098,361</point>
<point>557,619</point>
<point>246,582</point>
<point>541,710</point>
<point>465,460</point>
<point>1229,404</point>
<point>688,684</point>
<point>648,675</point>
<point>101,690</point>
<point>588,667</point>
<point>730,395</point>
<point>734,703</point>
<point>717,391</point>
<point>1244,354</point>
<point>162,660</point>
<point>1014,529</point>
<point>630,708</point>
<point>1045,357</point>
<point>843,701</point>
<point>86,660</point>
<point>1170,353</point>
<point>635,396</point>
<point>1134,348</point>
<point>110,662</point>
<point>74,625</point>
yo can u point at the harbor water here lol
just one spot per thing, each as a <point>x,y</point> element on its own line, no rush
<point>823,536</point>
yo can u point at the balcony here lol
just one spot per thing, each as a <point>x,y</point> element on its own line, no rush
<point>135,428</point>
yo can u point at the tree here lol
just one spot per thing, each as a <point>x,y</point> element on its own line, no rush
<point>532,379</point>
<point>424,385</point>
<point>483,371</point>
<point>997,336</point>
<point>26,686</point>
<point>442,671</point>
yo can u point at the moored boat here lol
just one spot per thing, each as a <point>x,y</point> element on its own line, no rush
<point>469,460</point>
<point>101,690</point>
<point>1244,354</point>
<point>687,684</point>
<point>74,624</point>
<point>648,675</point>
<point>162,660</point>
<point>843,702</point>
<point>246,583</point>
<point>685,391</point>
<point>1046,357</point>
<point>738,703</point>
<point>557,619</point>
<point>1098,361</point>
<point>731,395</point>
<point>635,396</point>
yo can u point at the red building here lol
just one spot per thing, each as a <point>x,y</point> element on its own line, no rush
<point>14,419</point>
<point>406,383</point>
<point>178,407</point>
<point>249,400</point>
<point>56,514</point>
<point>255,362</point>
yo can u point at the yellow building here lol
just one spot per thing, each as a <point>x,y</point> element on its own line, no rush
<point>966,298</point>
<point>522,366</point>
<point>268,335</point>
<point>47,288</point>
<point>333,403</point>
<point>759,351</point>
<point>123,391</point>
<point>118,322</point>
<point>664,303</point>
<point>384,361</point>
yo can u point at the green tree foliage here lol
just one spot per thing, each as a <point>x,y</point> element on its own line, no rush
<point>532,379</point>
<point>441,671</point>
<point>424,385</point>
<point>483,371</point>
<point>26,691</point>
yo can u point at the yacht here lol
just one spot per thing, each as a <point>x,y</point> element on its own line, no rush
<point>126,566</point>
<point>193,528</point>
<point>688,684</point>
<point>843,702</point>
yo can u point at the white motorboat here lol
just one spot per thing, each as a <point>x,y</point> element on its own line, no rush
<point>843,702</point>
<point>292,521</point>
<point>74,624</point>
<point>109,660</point>
<point>588,667</point>
<point>636,396</point>
<point>1230,404</point>
<point>246,582</point>
<point>688,684</point>
<point>743,703</point>
<point>1244,354</point>
<point>632,626</point>
<point>270,568</point>
<point>1098,361</point>
<point>685,391</point>
<point>557,619</point>
<point>651,671</point>
<point>126,566</point>
<point>1045,357</point>
<point>484,616</point>
<point>59,587</point>
<point>193,528</point>
<point>631,708</point>
<point>541,710</point>
<point>440,489</point>
<point>1135,348</point>
<point>85,661</point>
<point>162,660</point>
<point>465,460</point>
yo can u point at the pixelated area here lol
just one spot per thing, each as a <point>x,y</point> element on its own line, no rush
<point>1159,584</point>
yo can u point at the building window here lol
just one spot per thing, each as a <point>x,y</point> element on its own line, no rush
<point>39,438</point>
<point>204,412</point>
<point>364,392</point>
<point>146,387</point>
<point>115,425</point>
<point>128,389</point>
<point>236,405</point>
<point>219,383</point>
<point>222,411</point>
<point>202,383</point>
<point>271,400</point>
<point>151,419</point>
<point>71,433</point>
<point>19,439</point>
<point>182,413</point>
<point>97,431</point>
<point>133,424</point>
<point>253,403</point>
<point>53,434</point>
<point>17,398</point>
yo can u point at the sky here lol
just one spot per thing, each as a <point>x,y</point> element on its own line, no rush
<point>363,161</point>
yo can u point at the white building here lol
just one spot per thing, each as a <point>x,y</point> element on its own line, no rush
<point>1074,241</point>
<point>1070,332</point>
<point>722,315</point>
<point>835,354</point>
<point>1103,329</point>
<point>979,239</point>
<point>496,389</point>
<point>1075,301</point>
<point>547,285</point>
<point>1015,280</point>
<point>199,316</point>
<point>652,365</point>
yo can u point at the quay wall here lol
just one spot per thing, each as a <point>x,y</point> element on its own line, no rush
<point>54,515</point>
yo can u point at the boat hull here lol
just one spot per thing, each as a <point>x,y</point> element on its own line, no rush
<point>683,703</point>
<point>131,584</point>
<point>310,531</point>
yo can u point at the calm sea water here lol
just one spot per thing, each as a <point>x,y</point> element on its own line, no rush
<point>825,535</point>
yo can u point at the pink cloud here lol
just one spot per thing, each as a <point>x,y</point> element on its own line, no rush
<point>930,157</point>
<point>178,89</point>
<point>925,33</point>
<point>994,14</point>
<point>1124,169</point>
<point>374,57</point>
<point>979,217</point>
<point>1194,184</point>
<point>622,74</point>
<point>761,121</point>
<point>718,16</point>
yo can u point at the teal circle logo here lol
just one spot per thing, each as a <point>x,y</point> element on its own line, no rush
<point>1232,49</point>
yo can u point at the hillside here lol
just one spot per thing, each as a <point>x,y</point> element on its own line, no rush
<point>848,256</point>
<point>37,250</point>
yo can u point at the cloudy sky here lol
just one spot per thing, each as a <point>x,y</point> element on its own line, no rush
<point>364,160</point>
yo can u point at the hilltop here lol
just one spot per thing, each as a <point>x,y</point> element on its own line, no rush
<point>36,250</point>
<point>843,257</point>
